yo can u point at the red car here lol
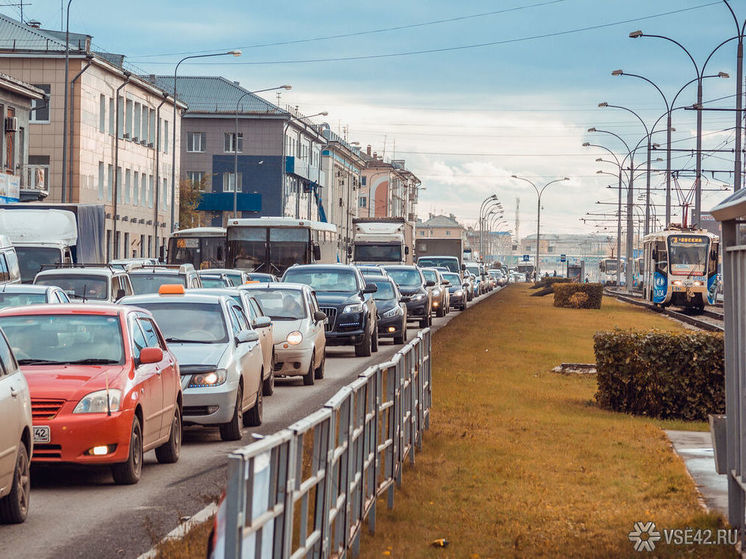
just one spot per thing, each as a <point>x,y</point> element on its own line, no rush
<point>104,386</point>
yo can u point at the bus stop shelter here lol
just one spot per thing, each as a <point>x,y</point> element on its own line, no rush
<point>731,213</point>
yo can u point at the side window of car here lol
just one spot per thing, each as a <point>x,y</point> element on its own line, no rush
<point>256,309</point>
<point>243,322</point>
<point>126,285</point>
<point>253,315</point>
<point>235,326</point>
<point>14,272</point>
<point>315,302</point>
<point>6,356</point>
<point>148,328</point>
<point>138,338</point>
<point>3,269</point>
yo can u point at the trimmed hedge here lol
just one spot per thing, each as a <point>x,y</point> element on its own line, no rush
<point>563,295</point>
<point>548,282</point>
<point>661,374</point>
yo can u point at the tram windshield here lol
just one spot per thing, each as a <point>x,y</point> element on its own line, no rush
<point>687,254</point>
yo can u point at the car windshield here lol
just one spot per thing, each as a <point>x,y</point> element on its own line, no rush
<point>447,262</point>
<point>32,259</point>
<point>65,338</point>
<point>281,304</point>
<point>385,291</point>
<point>78,286</point>
<point>180,322</point>
<point>324,281</point>
<point>151,282</point>
<point>430,275</point>
<point>454,279</point>
<point>21,299</point>
<point>261,278</point>
<point>408,277</point>
<point>214,282</point>
<point>236,278</point>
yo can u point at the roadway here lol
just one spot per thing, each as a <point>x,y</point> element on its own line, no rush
<point>77,512</point>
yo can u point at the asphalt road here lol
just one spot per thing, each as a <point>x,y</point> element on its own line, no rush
<point>77,512</point>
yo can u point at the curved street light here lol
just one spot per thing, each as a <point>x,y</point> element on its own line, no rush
<point>539,192</point>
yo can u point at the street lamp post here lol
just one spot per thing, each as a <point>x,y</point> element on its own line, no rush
<point>235,145</point>
<point>173,126</point>
<point>539,192</point>
<point>491,208</point>
<point>481,225</point>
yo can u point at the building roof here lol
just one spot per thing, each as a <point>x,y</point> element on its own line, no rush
<point>216,94</point>
<point>17,36</point>
<point>19,87</point>
<point>440,221</point>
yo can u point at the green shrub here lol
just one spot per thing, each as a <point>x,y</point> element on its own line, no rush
<point>661,374</point>
<point>548,282</point>
<point>564,292</point>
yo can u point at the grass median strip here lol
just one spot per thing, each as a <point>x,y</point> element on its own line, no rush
<point>520,462</point>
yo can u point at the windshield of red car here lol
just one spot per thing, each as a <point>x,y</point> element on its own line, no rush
<point>65,338</point>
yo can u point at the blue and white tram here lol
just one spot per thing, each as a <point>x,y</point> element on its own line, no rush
<point>680,267</point>
<point>607,270</point>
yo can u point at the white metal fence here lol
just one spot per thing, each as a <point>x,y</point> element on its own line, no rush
<point>308,490</point>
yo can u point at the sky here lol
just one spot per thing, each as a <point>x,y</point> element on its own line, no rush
<point>467,93</point>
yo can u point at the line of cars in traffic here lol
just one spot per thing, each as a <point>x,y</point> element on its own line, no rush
<point>102,363</point>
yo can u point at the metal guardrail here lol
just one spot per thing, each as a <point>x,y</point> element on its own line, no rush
<point>307,491</point>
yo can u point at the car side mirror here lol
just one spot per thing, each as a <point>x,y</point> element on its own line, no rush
<point>370,288</point>
<point>430,283</point>
<point>446,282</point>
<point>262,322</point>
<point>319,316</point>
<point>246,336</point>
<point>151,355</point>
<point>316,252</point>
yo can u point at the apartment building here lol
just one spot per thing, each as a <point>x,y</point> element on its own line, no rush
<point>119,135</point>
<point>342,165</point>
<point>277,151</point>
<point>16,99</point>
<point>440,227</point>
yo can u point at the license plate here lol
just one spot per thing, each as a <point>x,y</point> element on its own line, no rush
<point>41,433</point>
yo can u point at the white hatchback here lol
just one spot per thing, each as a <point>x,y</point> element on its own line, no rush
<point>16,440</point>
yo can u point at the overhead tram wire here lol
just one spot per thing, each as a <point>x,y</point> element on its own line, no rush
<point>373,31</point>
<point>468,46</point>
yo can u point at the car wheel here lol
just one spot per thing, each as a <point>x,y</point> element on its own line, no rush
<point>363,349</point>
<point>231,431</point>
<point>254,417</point>
<point>423,322</point>
<point>168,453</point>
<point>129,472</point>
<point>440,313</point>
<point>402,338</point>
<point>374,340</point>
<point>14,506</point>
<point>268,385</point>
<point>319,372</point>
<point>308,377</point>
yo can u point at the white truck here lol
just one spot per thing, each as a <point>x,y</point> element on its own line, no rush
<point>381,240</point>
<point>47,235</point>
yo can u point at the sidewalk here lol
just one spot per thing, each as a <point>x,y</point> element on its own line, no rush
<point>695,449</point>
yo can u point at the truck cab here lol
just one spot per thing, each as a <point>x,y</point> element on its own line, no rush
<point>34,257</point>
<point>380,241</point>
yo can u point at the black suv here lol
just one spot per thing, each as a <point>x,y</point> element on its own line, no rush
<point>345,298</point>
<point>414,288</point>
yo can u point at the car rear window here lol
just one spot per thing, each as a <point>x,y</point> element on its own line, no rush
<point>151,283</point>
<point>189,322</point>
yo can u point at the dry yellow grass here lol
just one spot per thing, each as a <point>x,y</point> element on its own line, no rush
<point>519,462</point>
<point>192,546</point>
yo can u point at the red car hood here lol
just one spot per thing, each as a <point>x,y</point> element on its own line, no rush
<point>70,382</point>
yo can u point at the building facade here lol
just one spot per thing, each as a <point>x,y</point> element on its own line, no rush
<point>277,152</point>
<point>440,227</point>
<point>119,144</point>
<point>16,99</point>
<point>342,165</point>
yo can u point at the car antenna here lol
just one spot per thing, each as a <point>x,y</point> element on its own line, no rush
<point>85,286</point>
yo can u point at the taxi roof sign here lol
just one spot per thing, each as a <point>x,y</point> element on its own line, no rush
<point>171,289</point>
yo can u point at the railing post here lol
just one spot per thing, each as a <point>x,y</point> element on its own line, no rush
<point>234,498</point>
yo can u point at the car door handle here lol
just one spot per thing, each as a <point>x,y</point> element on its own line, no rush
<point>13,392</point>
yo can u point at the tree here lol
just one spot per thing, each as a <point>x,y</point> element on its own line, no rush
<point>190,194</point>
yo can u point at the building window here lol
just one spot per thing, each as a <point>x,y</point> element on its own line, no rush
<point>101,186</point>
<point>150,245</point>
<point>40,107</point>
<point>151,137</point>
<point>150,191</point>
<point>230,142</point>
<point>363,202</point>
<point>138,124</point>
<point>120,116</point>
<point>102,113</point>
<point>127,245</point>
<point>142,246</point>
<point>111,116</point>
<point>119,186</point>
<point>196,142</point>
<point>448,233</point>
<point>195,177</point>
<point>144,189</point>
<point>164,196</point>
<point>165,136</point>
<point>136,189</point>
<point>127,185</point>
<point>144,133</point>
<point>229,181</point>
<point>109,182</point>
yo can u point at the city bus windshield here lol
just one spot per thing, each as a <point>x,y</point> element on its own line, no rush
<point>687,254</point>
<point>200,252</point>
<point>253,251</point>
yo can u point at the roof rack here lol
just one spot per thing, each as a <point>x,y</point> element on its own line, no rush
<point>58,265</point>
<point>182,268</point>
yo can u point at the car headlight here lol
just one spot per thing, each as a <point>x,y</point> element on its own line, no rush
<point>356,307</point>
<point>396,311</point>
<point>418,297</point>
<point>211,378</point>
<point>294,338</point>
<point>95,402</point>
<point>459,293</point>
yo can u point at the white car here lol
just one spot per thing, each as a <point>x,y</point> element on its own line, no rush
<point>16,438</point>
<point>298,328</point>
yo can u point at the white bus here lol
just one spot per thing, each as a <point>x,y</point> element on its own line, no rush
<point>202,247</point>
<point>272,244</point>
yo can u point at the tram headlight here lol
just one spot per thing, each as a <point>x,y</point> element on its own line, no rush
<point>678,282</point>
<point>698,284</point>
